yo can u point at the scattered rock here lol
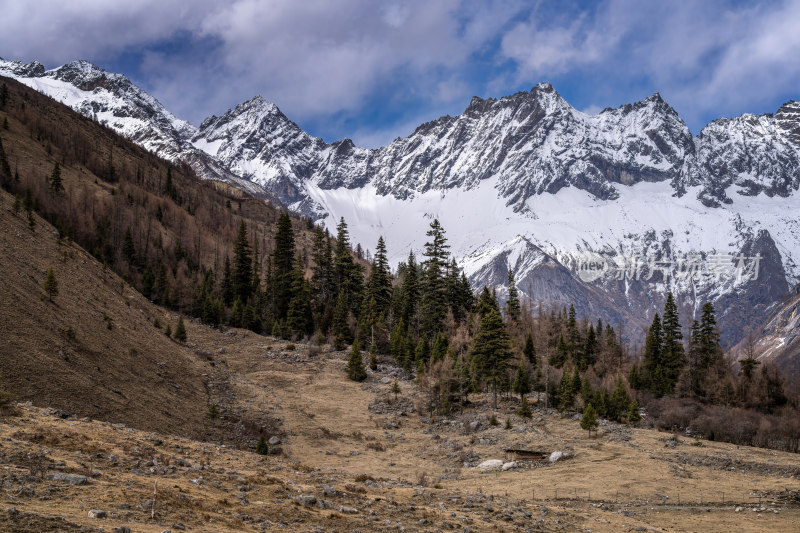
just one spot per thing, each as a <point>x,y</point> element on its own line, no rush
<point>509,465</point>
<point>558,456</point>
<point>122,529</point>
<point>491,465</point>
<point>274,441</point>
<point>97,513</point>
<point>72,479</point>
<point>347,510</point>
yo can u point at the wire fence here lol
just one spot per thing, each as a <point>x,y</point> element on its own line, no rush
<point>704,498</point>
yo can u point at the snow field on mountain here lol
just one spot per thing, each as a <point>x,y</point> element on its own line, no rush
<point>479,225</point>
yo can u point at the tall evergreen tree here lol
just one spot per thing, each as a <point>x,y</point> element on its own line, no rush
<point>56,184</point>
<point>652,350</point>
<point>51,285</point>
<point>410,294</point>
<point>340,327</point>
<point>439,348</point>
<point>379,285</point>
<point>522,383</point>
<point>589,355</point>
<point>589,419</point>
<point>567,391</point>
<point>512,304</point>
<point>529,351</point>
<point>693,357</point>
<point>180,330</point>
<point>5,169</point>
<point>227,282</point>
<point>672,355</point>
<point>242,274</point>
<point>299,319</point>
<point>434,288</point>
<point>491,350</point>
<point>347,274</point>
<point>283,274</point>
<point>486,302</point>
<point>322,282</point>
<point>355,365</point>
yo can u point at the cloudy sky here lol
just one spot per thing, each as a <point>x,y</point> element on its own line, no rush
<point>373,70</point>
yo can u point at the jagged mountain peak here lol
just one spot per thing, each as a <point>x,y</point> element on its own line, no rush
<point>788,117</point>
<point>18,68</point>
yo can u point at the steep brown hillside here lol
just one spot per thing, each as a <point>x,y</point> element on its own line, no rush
<point>93,350</point>
<point>112,187</point>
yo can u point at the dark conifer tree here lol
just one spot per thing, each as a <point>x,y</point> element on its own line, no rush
<point>227,283</point>
<point>282,266</point>
<point>379,285</point>
<point>589,419</point>
<point>347,274</point>
<point>566,392</point>
<point>422,353</point>
<point>652,350</point>
<point>672,355</point>
<point>50,285</point>
<point>56,184</point>
<point>322,282</point>
<point>410,294</point>
<point>340,328</point>
<point>561,353</point>
<point>299,318</point>
<point>491,350</point>
<point>692,378</point>
<point>439,348</point>
<point>522,382</point>
<point>355,365</point>
<point>529,351</point>
<point>589,355</point>
<point>180,330</point>
<point>486,303</point>
<point>5,169</point>
<point>242,275</point>
<point>512,304</point>
<point>434,304</point>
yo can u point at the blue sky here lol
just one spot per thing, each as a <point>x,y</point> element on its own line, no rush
<point>372,70</point>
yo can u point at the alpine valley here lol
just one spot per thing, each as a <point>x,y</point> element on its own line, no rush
<point>608,212</point>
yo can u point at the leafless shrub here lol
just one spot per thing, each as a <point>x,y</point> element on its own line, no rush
<point>377,446</point>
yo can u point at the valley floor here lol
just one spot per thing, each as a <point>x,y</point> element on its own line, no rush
<point>354,456</point>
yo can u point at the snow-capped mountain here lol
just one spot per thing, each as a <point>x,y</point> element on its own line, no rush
<point>113,100</point>
<point>605,211</point>
<point>528,182</point>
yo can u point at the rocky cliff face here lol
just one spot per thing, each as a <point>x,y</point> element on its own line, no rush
<point>777,338</point>
<point>525,182</point>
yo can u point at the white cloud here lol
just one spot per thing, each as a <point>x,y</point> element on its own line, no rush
<point>323,60</point>
<point>55,31</point>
